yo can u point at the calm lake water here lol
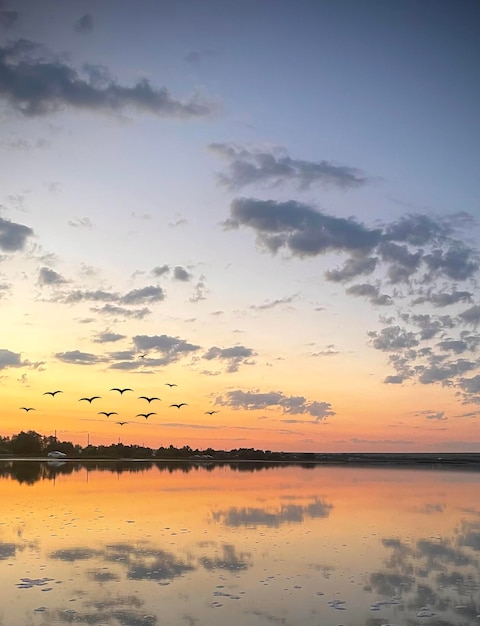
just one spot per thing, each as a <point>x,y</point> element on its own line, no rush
<point>133,544</point>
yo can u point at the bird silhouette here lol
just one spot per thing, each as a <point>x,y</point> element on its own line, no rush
<point>121,423</point>
<point>180,405</point>
<point>27,408</point>
<point>107,413</point>
<point>148,399</point>
<point>145,415</point>
<point>121,390</point>
<point>142,356</point>
<point>52,393</point>
<point>171,384</point>
<point>90,399</point>
<point>210,412</point>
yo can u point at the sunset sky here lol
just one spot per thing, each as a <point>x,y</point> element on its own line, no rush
<point>272,204</point>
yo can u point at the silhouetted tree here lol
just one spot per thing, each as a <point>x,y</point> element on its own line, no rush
<point>28,442</point>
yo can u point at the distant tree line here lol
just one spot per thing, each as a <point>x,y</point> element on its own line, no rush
<point>32,444</point>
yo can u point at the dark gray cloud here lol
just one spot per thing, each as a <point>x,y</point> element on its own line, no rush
<point>458,262</point>
<point>302,230</point>
<point>402,263</point>
<point>234,356</point>
<point>10,359</point>
<point>293,405</point>
<point>371,293</point>
<point>84,24</point>
<point>471,315</point>
<point>248,167</point>
<point>444,299</point>
<point>13,236</point>
<point>453,345</point>
<point>352,268</point>
<point>392,338</point>
<point>79,358</point>
<point>47,276</point>
<point>416,249</point>
<point>34,83</point>
<point>108,337</point>
<point>180,273</point>
<point>171,349</point>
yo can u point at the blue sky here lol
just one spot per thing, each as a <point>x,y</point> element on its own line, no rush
<point>258,196</point>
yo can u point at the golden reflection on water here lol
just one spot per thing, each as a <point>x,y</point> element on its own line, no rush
<point>162,545</point>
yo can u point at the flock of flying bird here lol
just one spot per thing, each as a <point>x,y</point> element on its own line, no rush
<point>121,391</point>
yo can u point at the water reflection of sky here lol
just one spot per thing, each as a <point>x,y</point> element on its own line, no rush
<point>104,545</point>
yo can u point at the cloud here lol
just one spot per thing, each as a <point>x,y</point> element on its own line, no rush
<point>13,236</point>
<point>471,315</point>
<point>108,337</point>
<point>416,247</point>
<point>120,311</point>
<point>47,276</point>
<point>79,358</point>
<point>293,405</point>
<point>371,293</point>
<point>235,356</point>
<point>247,167</point>
<point>392,338</point>
<point>160,270</point>
<point>84,24</point>
<point>147,294</point>
<point>444,299</point>
<point>352,268</point>
<point>171,348</point>
<point>200,292</point>
<point>34,85</point>
<point>10,359</point>
<point>302,230</point>
<point>270,304</point>
<point>98,295</point>
<point>180,273</point>
<point>81,222</point>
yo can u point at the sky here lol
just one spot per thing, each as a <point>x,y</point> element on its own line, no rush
<point>272,205</point>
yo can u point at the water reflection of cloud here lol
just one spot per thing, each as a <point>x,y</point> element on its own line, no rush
<point>74,554</point>
<point>7,550</point>
<point>146,562</point>
<point>102,576</point>
<point>432,507</point>
<point>230,560</point>
<point>118,616</point>
<point>285,514</point>
<point>439,553</point>
<point>437,576</point>
<point>469,535</point>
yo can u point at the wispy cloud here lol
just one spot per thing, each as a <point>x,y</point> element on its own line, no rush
<point>250,166</point>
